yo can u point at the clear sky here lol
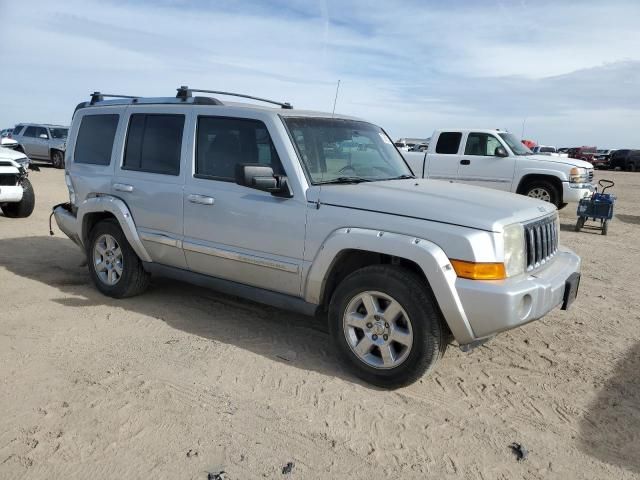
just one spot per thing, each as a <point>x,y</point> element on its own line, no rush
<point>571,69</point>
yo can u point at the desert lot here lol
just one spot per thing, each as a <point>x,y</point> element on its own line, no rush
<point>182,382</point>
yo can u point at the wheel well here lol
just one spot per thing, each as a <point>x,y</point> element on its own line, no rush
<point>348,261</point>
<point>51,150</point>
<point>90,220</point>
<point>529,179</point>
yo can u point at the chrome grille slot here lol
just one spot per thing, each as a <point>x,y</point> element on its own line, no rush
<point>541,241</point>
<point>590,175</point>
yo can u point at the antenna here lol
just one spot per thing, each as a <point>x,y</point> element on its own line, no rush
<point>335,99</point>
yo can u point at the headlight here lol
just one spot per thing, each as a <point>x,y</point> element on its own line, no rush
<point>24,161</point>
<point>578,175</point>
<point>514,251</point>
<point>72,192</point>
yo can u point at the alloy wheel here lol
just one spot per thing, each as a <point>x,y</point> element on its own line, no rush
<point>378,330</point>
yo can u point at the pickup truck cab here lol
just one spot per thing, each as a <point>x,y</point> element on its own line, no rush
<point>497,159</point>
<point>309,211</point>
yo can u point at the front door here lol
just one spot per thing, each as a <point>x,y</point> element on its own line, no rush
<point>234,232</point>
<point>150,178</point>
<point>480,166</point>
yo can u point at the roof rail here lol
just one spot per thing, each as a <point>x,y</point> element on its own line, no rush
<point>99,97</point>
<point>184,92</point>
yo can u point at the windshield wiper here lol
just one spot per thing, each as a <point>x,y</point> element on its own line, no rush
<point>400,177</point>
<point>345,180</point>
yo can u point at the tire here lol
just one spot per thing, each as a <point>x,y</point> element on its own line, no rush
<point>631,167</point>
<point>57,159</point>
<point>120,274</point>
<point>419,324</point>
<point>24,207</point>
<point>543,190</point>
<point>579,224</point>
<point>605,227</point>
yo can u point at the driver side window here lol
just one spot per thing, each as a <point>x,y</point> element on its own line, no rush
<point>481,144</point>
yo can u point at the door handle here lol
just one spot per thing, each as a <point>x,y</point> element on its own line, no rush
<point>201,199</point>
<point>465,162</point>
<point>123,187</point>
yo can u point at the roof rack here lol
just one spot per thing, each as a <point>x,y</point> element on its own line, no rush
<point>185,92</point>
<point>99,97</point>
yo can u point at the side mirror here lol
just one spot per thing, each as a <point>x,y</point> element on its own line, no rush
<point>261,177</point>
<point>44,136</point>
<point>500,152</point>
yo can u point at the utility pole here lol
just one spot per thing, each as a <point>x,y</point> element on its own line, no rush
<point>523,122</point>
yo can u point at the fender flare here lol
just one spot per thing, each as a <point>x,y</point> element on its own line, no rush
<point>119,209</point>
<point>427,255</point>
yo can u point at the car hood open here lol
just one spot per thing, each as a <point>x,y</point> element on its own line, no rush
<point>437,201</point>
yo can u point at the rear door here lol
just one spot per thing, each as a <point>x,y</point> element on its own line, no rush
<point>443,161</point>
<point>480,166</point>
<point>150,178</point>
<point>28,141</point>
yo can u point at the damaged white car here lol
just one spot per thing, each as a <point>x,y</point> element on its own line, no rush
<point>17,198</point>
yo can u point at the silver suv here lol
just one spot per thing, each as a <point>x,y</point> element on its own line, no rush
<point>42,141</point>
<point>313,212</point>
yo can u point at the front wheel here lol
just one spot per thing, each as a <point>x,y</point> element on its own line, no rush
<point>386,326</point>
<point>580,224</point>
<point>114,266</point>
<point>543,190</point>
<point>24,207</point>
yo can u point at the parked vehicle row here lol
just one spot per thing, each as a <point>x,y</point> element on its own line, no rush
<point>318,213</point>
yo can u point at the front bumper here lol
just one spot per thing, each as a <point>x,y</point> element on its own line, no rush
<point>495,306</point>
<point>10,194</point>
<point>573,192</point>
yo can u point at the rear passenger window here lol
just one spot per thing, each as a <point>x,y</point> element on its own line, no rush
<point>95,139</point>
<point>154,142</point>
<point>224,143</point>
<point>30,132</point>
<point>448,142</point>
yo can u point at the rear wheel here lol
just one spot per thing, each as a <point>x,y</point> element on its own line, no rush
<point>543,190</point>
<point>114,267</point>
<point>24,207</point>
<point>605,227</point>
<point>57,159</point>
<point>386,326</point>
<point>579,224</point>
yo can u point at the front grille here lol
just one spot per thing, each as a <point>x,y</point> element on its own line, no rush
<point>8,180</point>
<point>541,239</point>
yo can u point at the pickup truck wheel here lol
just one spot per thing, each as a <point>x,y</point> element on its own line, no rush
<point>386,325</point>
<point>543,190</point>
<point>57,159</point>
<point>114,267</point>
<point>24,207</point>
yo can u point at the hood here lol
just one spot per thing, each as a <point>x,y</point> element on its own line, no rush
<point>438,201</point>
<point>10,154</point>
<point>573,162</point>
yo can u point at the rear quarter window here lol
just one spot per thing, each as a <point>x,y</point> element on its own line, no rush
<point>95,139</point>
<point>448,143</point>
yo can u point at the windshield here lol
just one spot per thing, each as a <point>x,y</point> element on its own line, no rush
<point>515,145</point>
<point>59,132</point>
<point>332,150</point>
<point>547,150</point>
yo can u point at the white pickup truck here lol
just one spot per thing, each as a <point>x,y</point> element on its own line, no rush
<point>497,159</point>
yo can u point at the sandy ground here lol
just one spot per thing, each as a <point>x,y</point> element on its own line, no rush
<point>182,381</point>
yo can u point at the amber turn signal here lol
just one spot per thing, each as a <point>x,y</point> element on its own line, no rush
<point>479,271</point>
